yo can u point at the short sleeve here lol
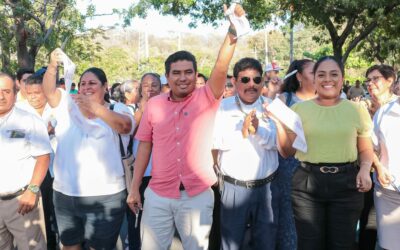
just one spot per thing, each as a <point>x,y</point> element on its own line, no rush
<point>124,110</point>
<point>39,139</point>
<point>365,124</point>
<point>145,129</point>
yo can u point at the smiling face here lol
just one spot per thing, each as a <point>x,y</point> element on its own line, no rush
<point>248,92</point>
<point>92,87</point>
<point>377,84</point>
<point>181,79</point>
<point>328,80</point>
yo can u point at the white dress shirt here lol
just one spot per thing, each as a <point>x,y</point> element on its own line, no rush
<point>23,136</point>
<point>251,158</point>
<point>387,139</point>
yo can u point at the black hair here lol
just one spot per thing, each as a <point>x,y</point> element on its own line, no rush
<point>247,63</point>
<point>116,93</point>
<point>62,81</point>
<point>34,79</point>
<point>292,84</point>
<point>182,55</point>
<point>99,73</point>
<point>22,72</point>
<point>5,75</point>
<point>385,70</point>
<point>203,76</point>
<point>338,62</point>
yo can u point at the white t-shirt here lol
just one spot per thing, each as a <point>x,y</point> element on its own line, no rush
<point>386,139</point>
<point>251,158</point>
<point>23,136</point>
<point>87,164</point>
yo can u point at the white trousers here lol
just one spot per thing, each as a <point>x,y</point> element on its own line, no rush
<point>192,217</point>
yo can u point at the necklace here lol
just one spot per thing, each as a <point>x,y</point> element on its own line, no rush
<point>239,105</point>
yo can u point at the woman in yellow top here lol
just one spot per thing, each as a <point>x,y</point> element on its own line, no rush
<point>327,185</point>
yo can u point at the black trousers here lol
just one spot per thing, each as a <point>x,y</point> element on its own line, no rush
<point>49,215</point>
<point>368,235</point>
<point>134,232</point>
<point>326,208</point>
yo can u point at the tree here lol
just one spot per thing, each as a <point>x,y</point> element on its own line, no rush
<point>383,43</point>
<point>348,22</point>
<point>27,26</point>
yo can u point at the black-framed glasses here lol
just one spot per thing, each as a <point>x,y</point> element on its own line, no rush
<point>373,79</point>
<point>246,79</point>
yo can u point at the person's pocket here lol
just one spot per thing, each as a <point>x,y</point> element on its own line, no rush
<point>300,179</point>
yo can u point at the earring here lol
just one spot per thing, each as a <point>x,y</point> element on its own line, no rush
<point>299,84</point>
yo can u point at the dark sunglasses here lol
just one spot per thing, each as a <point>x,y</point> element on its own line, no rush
<point>256,80</point>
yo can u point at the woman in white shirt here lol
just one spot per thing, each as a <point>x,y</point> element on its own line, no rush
<point>89,185</point>
<point>387,164</point>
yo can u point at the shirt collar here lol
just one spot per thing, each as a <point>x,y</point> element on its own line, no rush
<point>394,107</point>
<point>169,98</point>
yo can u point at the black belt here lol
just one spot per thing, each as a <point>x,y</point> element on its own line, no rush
<point>328,168</point>
<point>250,184</point>
<point>10,196</point>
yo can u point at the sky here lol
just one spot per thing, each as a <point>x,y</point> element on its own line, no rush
<point>154,23</point>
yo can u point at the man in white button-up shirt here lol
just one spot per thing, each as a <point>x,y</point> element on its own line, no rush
<point>248,156</point>
<point>24,158</point>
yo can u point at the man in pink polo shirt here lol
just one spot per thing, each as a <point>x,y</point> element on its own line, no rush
<point>177,128</point>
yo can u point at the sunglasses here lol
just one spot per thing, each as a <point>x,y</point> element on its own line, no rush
<point>256,80</point>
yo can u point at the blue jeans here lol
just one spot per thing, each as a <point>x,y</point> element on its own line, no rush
<point>258,206</point>
<point>95,219</point>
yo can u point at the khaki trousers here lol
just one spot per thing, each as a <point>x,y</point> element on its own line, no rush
<point>27,231</point>
<point>192,217</point>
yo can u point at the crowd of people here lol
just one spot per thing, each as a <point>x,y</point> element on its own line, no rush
<point>211,162</point>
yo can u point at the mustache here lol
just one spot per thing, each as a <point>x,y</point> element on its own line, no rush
<point>251,89</point>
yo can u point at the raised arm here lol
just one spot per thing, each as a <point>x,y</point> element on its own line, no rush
<point>52,94</point>
<point>218,75</point>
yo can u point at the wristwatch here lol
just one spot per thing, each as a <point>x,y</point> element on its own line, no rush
<point>33,188</point>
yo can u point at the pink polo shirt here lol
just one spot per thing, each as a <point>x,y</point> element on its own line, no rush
<point>181,133</point>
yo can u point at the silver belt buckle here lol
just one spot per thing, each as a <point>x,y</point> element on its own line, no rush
<point>329,170</point>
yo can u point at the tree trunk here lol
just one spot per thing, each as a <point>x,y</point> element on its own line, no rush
<point>5,58</point>
<point>338,51</point>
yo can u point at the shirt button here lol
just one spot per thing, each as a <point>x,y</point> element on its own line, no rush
<point>175,112</point>
<point>178,143</point>
<point>179,160</point>
<point>177,128</point>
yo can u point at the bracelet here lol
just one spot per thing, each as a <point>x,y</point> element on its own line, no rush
<point>232,31</point>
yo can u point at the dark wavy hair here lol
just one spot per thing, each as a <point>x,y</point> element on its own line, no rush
<point>292,84</point>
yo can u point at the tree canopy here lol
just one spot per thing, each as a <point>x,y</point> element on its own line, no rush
<point>348,22</point>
